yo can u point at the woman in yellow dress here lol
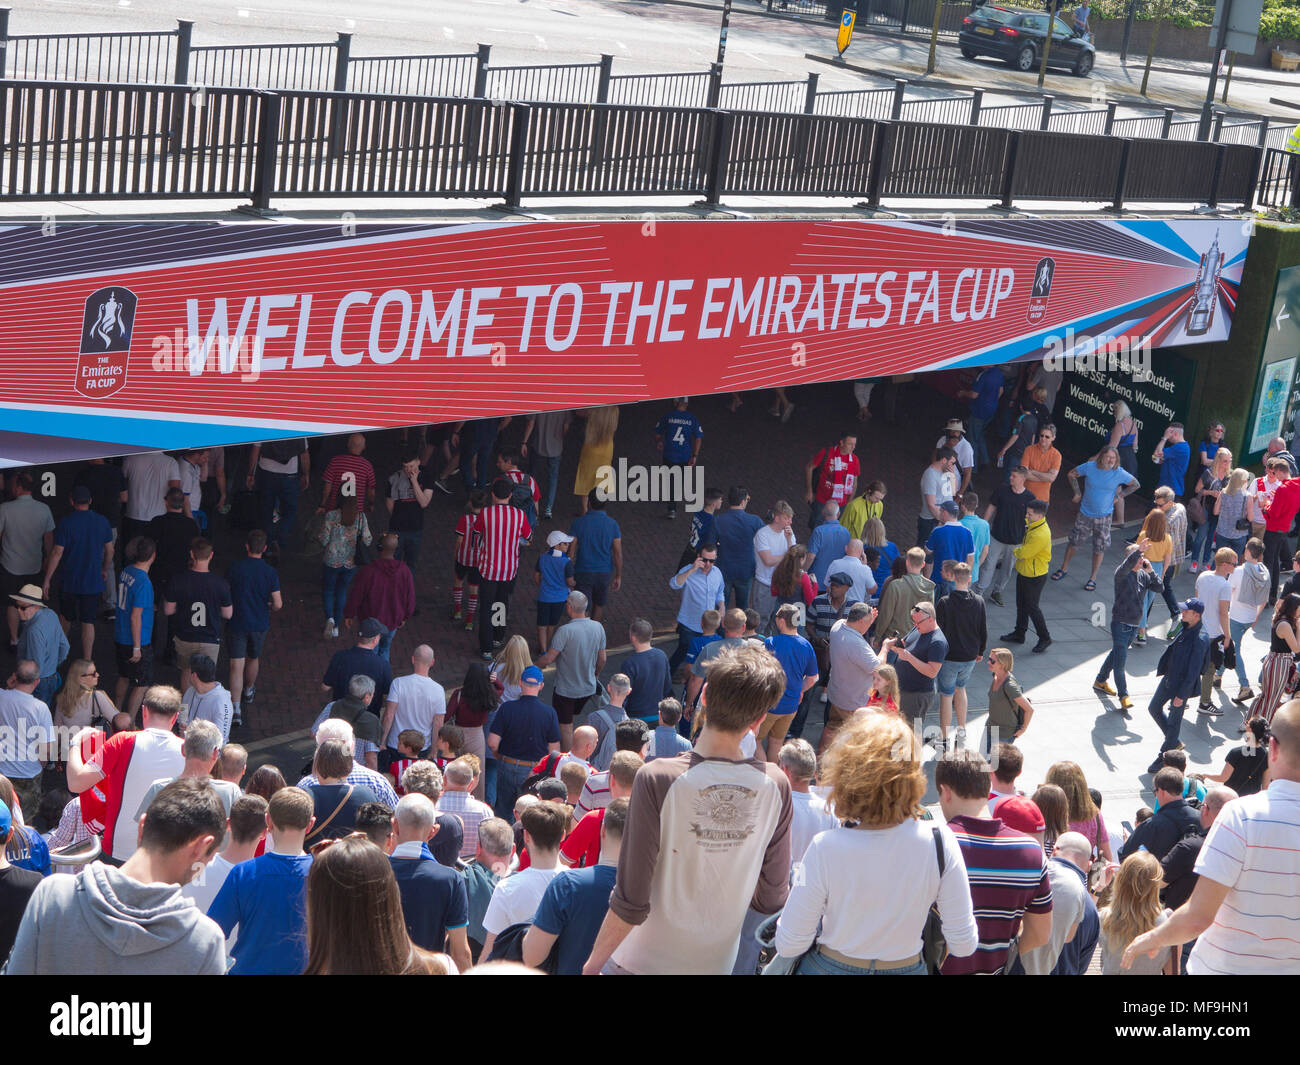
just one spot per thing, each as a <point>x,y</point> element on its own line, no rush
<point>597,450</point>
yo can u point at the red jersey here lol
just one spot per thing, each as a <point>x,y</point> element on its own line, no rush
<point>467,545</point>
<point>396,770</point>
<point>131,762</point>
<point>837,476</point>
<point>501,528</point>
<point>582,848</point>
<point>351,476</point>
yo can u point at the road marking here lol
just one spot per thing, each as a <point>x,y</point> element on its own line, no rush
<point>540,39</point>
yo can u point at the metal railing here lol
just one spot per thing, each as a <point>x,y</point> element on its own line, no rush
<point>101,141</point>
<point>1279,179</point>
<point>149,57</point>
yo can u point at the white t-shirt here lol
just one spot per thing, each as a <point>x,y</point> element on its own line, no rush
<point>515,899</point>
<point>810,817</point>
<point>147,480</point>
<point>1212,590</point>
<point>1240,612</point>
<point>774,543</point>
<point>935,483</point>
<point>213,705</point>
<point>420,700</point>
<point>864,581</point>
<point>207,882</point>
<point>965,453</point>
<point>24,722</point>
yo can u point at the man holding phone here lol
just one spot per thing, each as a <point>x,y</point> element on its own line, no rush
<point>1134,576</point>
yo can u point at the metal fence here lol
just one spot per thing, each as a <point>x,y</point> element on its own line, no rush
<point>145,57</point>
<point>264,66</point>
<point>100,141</point>
<point>1279,179</point>
<point>415,75</point>
<point>787,96</point>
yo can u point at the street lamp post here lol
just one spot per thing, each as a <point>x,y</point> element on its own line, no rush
<point>1207,108</point>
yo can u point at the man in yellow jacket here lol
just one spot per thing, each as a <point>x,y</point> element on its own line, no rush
<point>1293,141</point>
<point>1033,560</point>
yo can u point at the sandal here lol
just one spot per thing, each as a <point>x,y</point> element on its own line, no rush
<point>1090,585</point>
<point>1059,575</point>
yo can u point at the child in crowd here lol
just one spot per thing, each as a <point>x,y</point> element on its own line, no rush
<point>450,745</point>
<point>467,561</point>
<point>573,775</point>
<point>410,742</point>
<point>709,622</point>
<point>884,690</point>
<point>554,578</point>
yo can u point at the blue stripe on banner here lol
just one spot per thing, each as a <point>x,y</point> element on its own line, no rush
<point>1163,234</point>
<point>145,433</point>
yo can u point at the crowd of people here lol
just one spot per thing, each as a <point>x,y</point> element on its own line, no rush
<point>433,831</point>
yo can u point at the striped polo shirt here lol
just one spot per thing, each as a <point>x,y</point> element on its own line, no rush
<point>501,528</point>
<point>1253,848</point>
<point>1008,876</point>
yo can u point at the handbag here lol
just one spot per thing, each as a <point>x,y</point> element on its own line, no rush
<point>934,948</point>
<point>364,553</point>
<point>1196,511</point>
<point>317,830</point>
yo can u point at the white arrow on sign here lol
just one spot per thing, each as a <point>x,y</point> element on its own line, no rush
<point>1283,313</point>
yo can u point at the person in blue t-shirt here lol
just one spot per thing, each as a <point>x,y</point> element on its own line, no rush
<point>555,579</point>
<point>799,661</point>
<point>1105,482</point>
<point>983,408</point>
<point>678,437</point>
<point>254,592</point>
<point>133,624</point>
<point>827,543</point>
<point>434,902</point>
<point>951,540</point>
<point>267,897</point>
<point>703,529</point>
<point>598,556</point>
<point>574,904</point>
<point>735,528</point>
<point>83,543</point>
<point>1172,455</point>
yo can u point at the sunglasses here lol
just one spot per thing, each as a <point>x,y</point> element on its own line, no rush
<point>91,673</point>
<point>708,561</point>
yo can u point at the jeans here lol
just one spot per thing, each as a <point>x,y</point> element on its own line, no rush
<point>978,427</point>
<point>1121,636</point>
<point>1028,591</point>
<point>924,527</point>
<point>815,964</point>
<point>552,481</point>
<point>764,602</point>
<point>334,585</point>
<point>1203,542</point>
<point>408,548</point>
<point>1167,591</point>
<point>510,779</point>
<point>282,489</point>
<point>1149,597</point>
<point>990,581</point>
<point>490,784</point>
<point>1275,548</point>
<point>1169,723</point>
<point>801,715</point>
<point>45,692</point>
<point>1238,629</point>
<point>747,954</point>
<point>1237,543</point>
<point>741,586</point>
<point>684,638</point>
<point>385,642</point>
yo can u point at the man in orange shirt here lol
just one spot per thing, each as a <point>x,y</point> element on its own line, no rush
<point>1043,462</point>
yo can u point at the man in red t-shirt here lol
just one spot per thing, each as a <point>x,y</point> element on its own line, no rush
<point>1279,515</point>
<point>836,470</point>
<point>128,763</point>
<point>582,848</point>
<point>349,476</point>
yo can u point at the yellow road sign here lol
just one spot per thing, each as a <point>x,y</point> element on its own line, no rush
<point>845,36</point>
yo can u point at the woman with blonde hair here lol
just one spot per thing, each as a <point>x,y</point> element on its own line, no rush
<point>884,690</point>
<point>80,702</point>
<point>1160,548</point>
<point>1084,817</point>
<point>876,786</point>
<point>1211,482</point>
<point>1123,438</point>
<point>1134,910</point>
<point>1009,707</point>
<point>873,535</point>
<point>509,666</point>
<point>1234,510</point>
<point>597,449</point>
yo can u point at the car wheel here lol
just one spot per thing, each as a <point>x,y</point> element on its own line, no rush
<point>969,53</point>
<point>1084,65</point>
<point>1023,60</point>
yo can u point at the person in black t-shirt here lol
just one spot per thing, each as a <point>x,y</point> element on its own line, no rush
<point>1006,517</point>
<point>173,532</point>
<point>410,490</point>
<point>200,602</point>
<point>1246,771</point>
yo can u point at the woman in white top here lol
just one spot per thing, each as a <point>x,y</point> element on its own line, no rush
<point>888,856</point>
<point>81,702</point>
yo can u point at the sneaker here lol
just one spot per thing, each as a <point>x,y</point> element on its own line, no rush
<point>1012,637</point>
<point>334,632</point>
<point>1125,705</point>
<point>546,514</point>
<point>235,718</point>
<point>1207,708</point>
<point>960,737</point>
<point>996,597</point>
<point>1213,710</point>
<point>1157,765</point>
<point>1194,567</point>
<point>1103,687</point>
<point>1245,695</point>
<point>249,692</point>
<point>442,486</point>
<point>1139,641</point>
<point>457,614</point>
<point>1042,645</point>
<point>1175,629</point>
<point>330,630</point>
<point>785,414</point>
<point>824,697</point>
<point>469,622</point>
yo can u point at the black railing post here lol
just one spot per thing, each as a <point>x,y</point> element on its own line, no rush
<point>1218,126</point>
<point>1121,176</point>
<point>1167,123</point>
<point>900,87</point>
<point>1292,163</point>
<point>519,120</point>
<point>1213,200</point>
<point>715,85</point>
<point>1261,138</point>
<point>715,178</point>
<point>1110,118</point>
<point>810,95</point>
<point>1046,118</point>
<point>481,70</point>
<point>976,102</point>
<point>268,134</point>
<point>1256,165</point>
<point>4,40</point>
<point>907,11</point>
<point>1009,170</point>
<point>602,82</point>
<point>342,57</point>
<point>184,40</point>
<point>882,154</point>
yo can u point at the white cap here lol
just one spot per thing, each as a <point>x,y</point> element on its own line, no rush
<point>558,539</point>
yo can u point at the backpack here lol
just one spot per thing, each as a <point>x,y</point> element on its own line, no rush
<point>548,771</point>
<point>509,946</point>
<point>934,948</point>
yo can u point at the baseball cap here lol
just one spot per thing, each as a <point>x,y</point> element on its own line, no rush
<point>81,494</point>
<point>558,539</point>
<point>551,789</point>
<point>1020,813</point>
<point>370,628</point>
<point>532,675</point>
<point>1193,604</point>
<point>949,507</point>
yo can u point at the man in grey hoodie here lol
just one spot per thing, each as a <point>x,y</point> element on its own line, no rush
<point>134,920</point>
<point>1249,584</point>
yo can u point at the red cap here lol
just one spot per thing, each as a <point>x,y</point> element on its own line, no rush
<point>1020,813</point>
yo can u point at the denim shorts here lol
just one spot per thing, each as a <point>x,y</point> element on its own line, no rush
<point>954,675</point>
<point>817,964</point>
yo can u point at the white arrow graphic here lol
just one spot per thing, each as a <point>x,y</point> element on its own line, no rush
<point>1283,313</point>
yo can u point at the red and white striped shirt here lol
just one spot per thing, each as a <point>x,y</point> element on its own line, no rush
<point>500,527</point>
<point>520,477</point>
<point>467,545</point>
<point>351,471</point>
